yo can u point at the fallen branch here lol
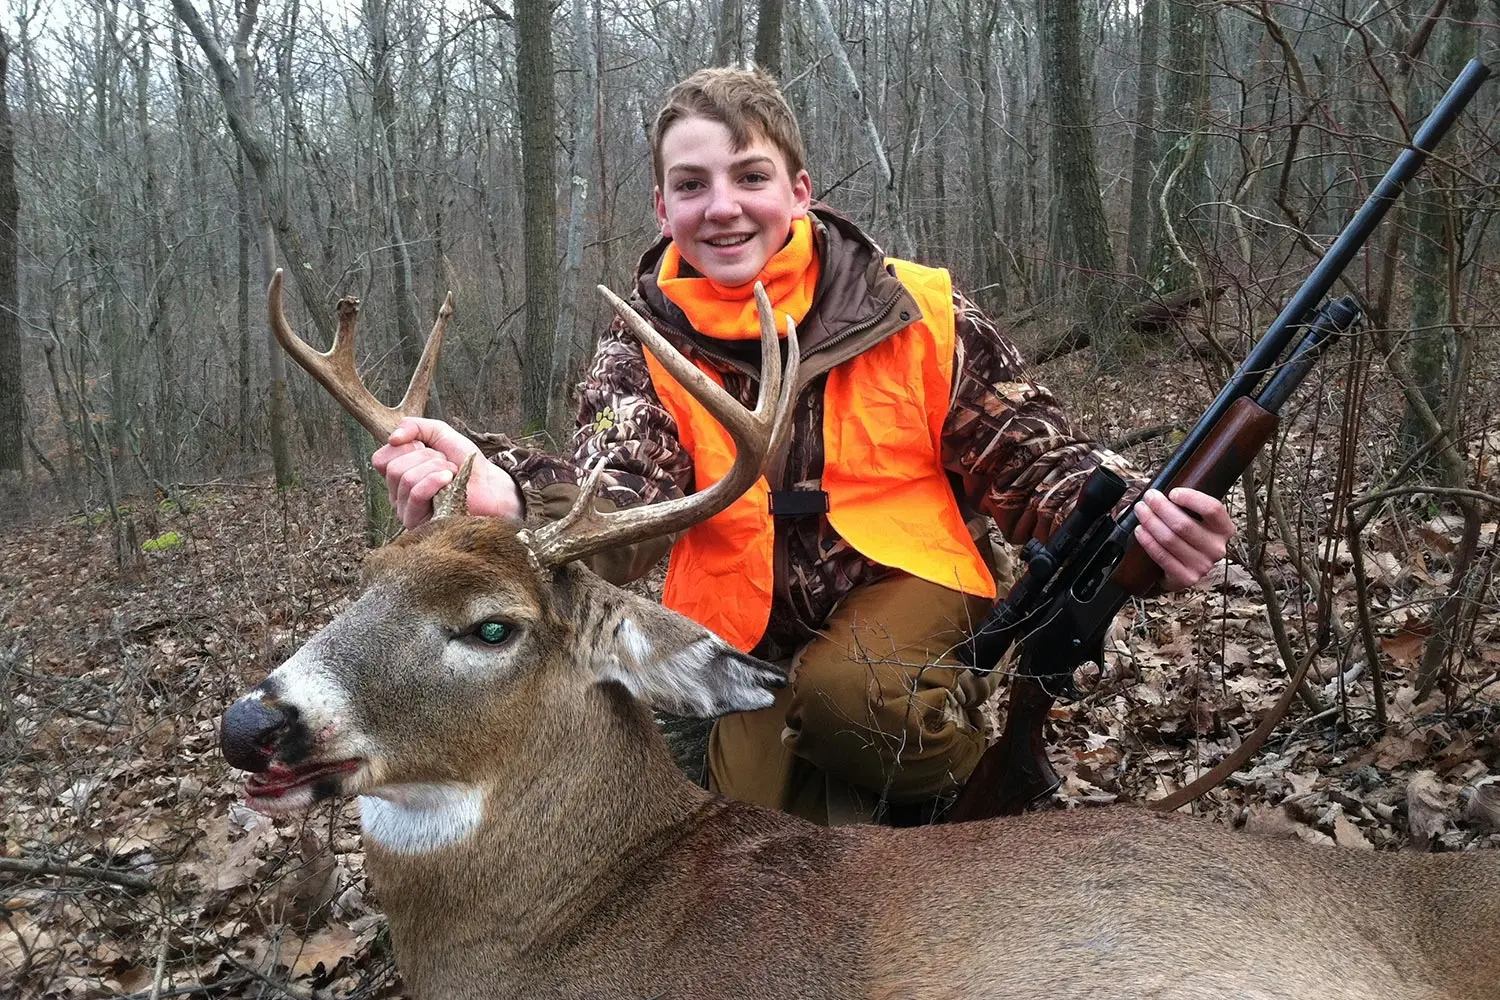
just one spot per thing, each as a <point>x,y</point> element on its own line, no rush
<point>23,867</point>
<point>228,983</point>
<point>1141,436</point>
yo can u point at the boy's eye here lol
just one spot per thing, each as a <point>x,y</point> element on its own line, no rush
<point>689,185</point>
<point>756,177</point>
<point>493,633</point>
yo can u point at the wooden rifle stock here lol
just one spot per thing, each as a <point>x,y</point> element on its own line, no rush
<point>1014,772</point>
<point>1214,468</point>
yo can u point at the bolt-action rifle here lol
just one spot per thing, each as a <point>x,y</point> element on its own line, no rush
<point>1061,607</point>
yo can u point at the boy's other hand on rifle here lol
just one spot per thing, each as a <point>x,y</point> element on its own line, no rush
<point>1186,533</point>
<point>423,456</point>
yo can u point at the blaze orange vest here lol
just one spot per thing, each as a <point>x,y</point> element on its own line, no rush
<point>888,494</point>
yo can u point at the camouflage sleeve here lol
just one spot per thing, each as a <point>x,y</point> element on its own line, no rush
<point>620,420</point>
<point>1008,439</point>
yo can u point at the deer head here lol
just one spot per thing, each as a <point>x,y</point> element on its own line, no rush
<point>466,624</point>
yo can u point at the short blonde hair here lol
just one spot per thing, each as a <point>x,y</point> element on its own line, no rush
<point>745,101</point>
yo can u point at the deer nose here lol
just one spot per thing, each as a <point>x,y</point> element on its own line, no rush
<point>250,733</point>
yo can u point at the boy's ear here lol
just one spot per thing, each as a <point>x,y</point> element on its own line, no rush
<point>801,194</point>
<point>661,212</point>
<point>676,665</point>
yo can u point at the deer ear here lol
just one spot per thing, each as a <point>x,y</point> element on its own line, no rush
<point>678,666</point>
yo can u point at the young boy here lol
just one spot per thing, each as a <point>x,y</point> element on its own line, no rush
<point>913,416</point>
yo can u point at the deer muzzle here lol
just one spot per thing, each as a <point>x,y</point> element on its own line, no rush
<point>290,769</point>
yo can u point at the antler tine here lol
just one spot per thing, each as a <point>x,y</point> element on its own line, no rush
<point>414,403</point>
<point>335,369</point>
<point>756,433</point>
<point>781,423</point>
<point>453,500</point>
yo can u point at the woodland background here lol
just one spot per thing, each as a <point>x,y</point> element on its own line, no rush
<point>1131,188</point>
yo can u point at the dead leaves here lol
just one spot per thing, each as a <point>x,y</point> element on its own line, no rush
<point>112,762</point>
<point>1427,807</point>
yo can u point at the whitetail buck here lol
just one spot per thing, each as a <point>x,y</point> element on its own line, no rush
<point>529,836</point>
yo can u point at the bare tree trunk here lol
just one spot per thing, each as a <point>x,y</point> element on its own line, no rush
<point>889,209</point>
<point>567,344</point>
<point>256,150</point>
<point>164,440</point>
<point>237,88</point>
<point>728,32</point>
<point>1184,98</point>
<point>1436,343</point>
<point>537,101</point>
<point>1080,235</point>
<point>1143,141</point>
<point>977,29</point>
<point>768,36</point>
<point>408,333</point>
<point>243,338</point>
<point>12,398</point>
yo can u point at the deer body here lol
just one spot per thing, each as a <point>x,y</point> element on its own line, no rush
<point>529,835</point>
<point>731,901</point>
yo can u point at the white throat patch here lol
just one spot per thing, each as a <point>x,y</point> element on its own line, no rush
<point>420,818</point>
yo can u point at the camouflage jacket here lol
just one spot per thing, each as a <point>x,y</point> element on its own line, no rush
<point>1007,445</point>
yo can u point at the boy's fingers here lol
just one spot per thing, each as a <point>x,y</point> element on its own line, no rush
<point>1185,548</point>
<point>419,501</point>
<point>1199,519</point>
<point>1211,510</point>
<point>407,431</point>
<point>419,481</point>
<point>1174,574</point>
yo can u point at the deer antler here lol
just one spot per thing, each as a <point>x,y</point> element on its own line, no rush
<point>335,370</point>
<point>758,436</point>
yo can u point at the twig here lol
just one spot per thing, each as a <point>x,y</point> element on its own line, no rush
<point>1457,493</point>
<point>161,966</point>
<point>286,988</point>
<point>1362,608</point>
<point>193,990</point>
<point>224,484</point>
<point>1257,570</point>
<point>125,879</point>
<point>1141,436</point>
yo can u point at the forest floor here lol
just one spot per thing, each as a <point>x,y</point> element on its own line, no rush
<point>130,863</point>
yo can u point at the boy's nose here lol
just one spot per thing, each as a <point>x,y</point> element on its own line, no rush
<point>722,205</point>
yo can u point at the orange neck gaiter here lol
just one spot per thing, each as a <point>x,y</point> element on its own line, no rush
<point>728,312</point>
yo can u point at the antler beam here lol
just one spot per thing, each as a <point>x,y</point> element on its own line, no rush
<point>335,371</point>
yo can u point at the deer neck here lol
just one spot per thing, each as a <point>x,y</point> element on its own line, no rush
<point>536,839</point>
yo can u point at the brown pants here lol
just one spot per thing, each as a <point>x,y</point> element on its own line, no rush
<point>878,711</point>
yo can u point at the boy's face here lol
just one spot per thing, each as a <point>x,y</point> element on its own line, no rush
<point>728,211</point>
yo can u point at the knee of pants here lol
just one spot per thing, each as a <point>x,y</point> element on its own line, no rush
<point>894,729</point>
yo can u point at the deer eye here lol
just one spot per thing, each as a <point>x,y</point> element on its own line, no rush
<point>494,633</point>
